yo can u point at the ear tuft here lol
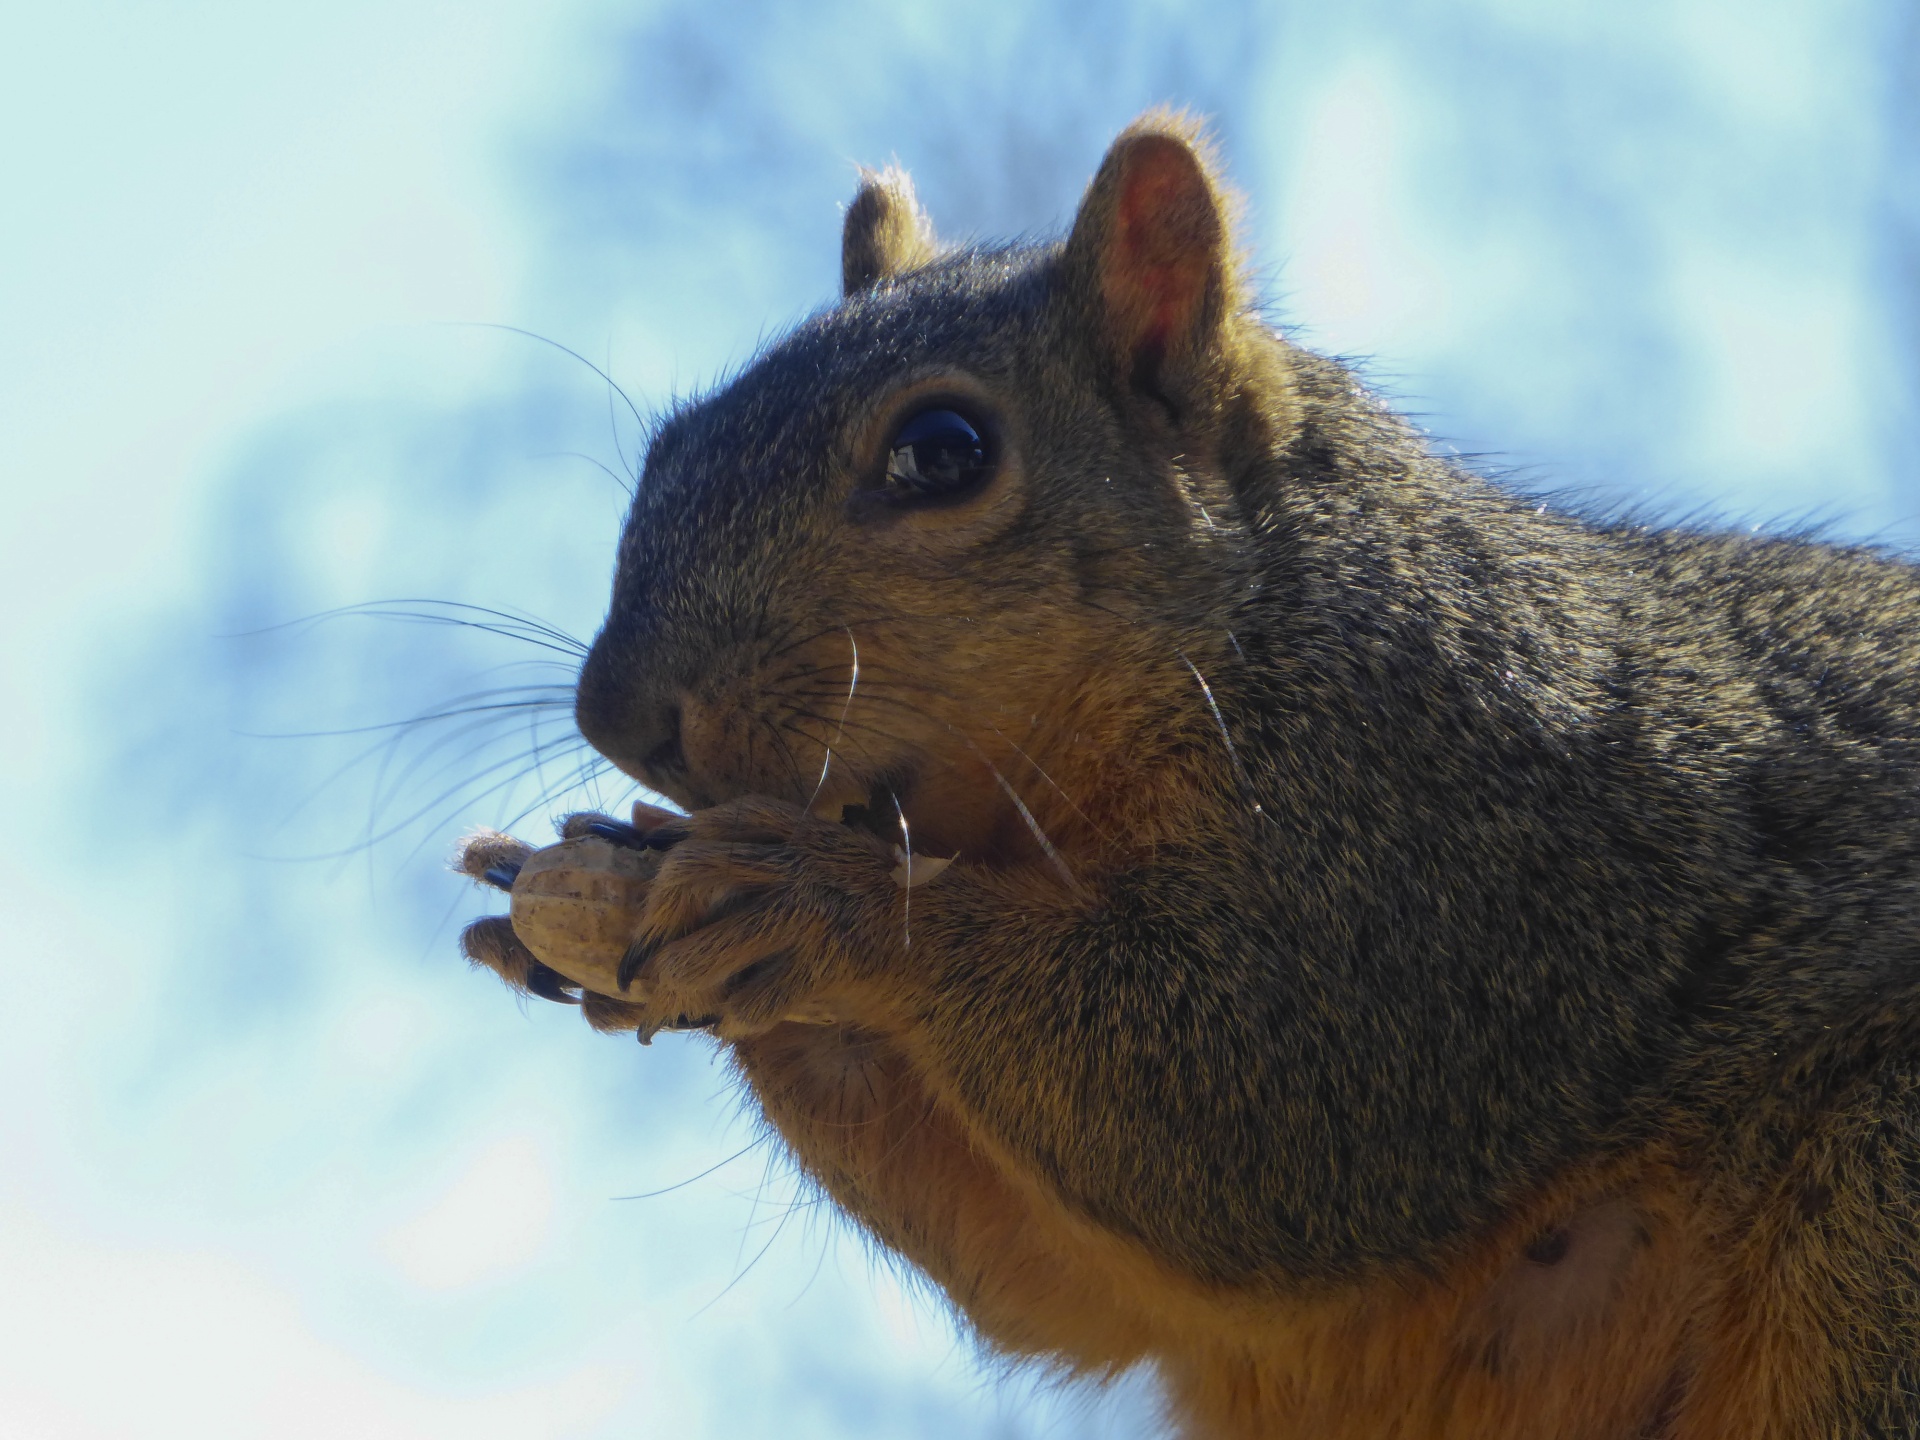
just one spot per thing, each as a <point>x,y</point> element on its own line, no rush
<point>887,233</point>
<point>1151,254</point>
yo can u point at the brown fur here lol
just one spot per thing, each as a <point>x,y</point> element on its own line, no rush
<point>1415,965</point>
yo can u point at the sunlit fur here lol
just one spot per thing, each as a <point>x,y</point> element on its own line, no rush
<point>1417,963</point>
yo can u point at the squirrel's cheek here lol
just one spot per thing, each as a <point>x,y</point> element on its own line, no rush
<point>719,755</point>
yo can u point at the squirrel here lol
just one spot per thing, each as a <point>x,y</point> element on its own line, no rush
<point>1400,959</point>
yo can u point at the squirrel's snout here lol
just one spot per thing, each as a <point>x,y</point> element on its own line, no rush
<point>645,744</point>
<point>661,756</point>
<point>637,729</point>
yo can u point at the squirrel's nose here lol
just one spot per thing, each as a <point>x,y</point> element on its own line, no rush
<point>644,741</point>
<point>658,745</point>
<point>634,726</point>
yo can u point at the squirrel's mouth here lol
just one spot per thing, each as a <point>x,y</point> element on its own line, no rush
<point>884,810</point>
<point>887,811</point>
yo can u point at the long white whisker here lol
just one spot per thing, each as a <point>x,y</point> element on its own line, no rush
<point>840,731</point>
<point>1041,772</point>
<point>1246,785</point>
<point>906,891</point>
<point>1026,815</point>
<point>1032,824</point>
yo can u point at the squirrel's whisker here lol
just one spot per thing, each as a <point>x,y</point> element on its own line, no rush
<point>508,709</point>
<point>906,890</point>
<point>1040,770</point>
<point>505,623</point>
<point>1046,845</point>
<point>886,617</point>
<point>853,684</point>
<point>613,385</point>
<point>1233,754</point>
<point>415,768</point>
<point>786,750</point>
<point>849,729</point>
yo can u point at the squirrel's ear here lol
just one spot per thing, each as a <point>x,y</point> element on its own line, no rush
<point>886,231</point>
<point>1150,259</point>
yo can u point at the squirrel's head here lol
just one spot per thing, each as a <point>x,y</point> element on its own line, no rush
<point>930,553</point>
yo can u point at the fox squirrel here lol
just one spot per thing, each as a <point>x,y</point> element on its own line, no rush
<point>1412,962</point>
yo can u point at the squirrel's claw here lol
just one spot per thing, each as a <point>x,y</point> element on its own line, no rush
<point>652,828</point>
<point>635,959</point>
<point>491,943</point>
<point>550,984</point>
<point>619,832</point>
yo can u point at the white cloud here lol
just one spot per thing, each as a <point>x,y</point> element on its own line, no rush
<point>100,1342</point>
<point>493,1219</point>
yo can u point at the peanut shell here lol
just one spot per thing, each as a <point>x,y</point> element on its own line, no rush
<point>577,907</point>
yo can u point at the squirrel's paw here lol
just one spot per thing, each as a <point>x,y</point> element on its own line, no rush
<point>493,943</point>
<point>760,913</point>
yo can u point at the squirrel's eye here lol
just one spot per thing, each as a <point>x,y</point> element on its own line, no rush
<point>937,454</point>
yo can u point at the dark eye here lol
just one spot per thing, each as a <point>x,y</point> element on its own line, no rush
<point>936,454</point>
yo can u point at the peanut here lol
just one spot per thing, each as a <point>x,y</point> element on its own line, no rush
<point>577,907</point>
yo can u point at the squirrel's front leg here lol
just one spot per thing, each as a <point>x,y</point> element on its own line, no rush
<point>763,914</point>
<point>1100,1051</point>
<point>1087,1037</point>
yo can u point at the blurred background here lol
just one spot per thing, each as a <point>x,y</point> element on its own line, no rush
<point>281,291</point>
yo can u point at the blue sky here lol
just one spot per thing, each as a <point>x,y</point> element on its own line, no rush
<point>276,1163</point>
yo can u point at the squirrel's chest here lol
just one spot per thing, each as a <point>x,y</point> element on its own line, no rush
<point>1589,1318</point>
